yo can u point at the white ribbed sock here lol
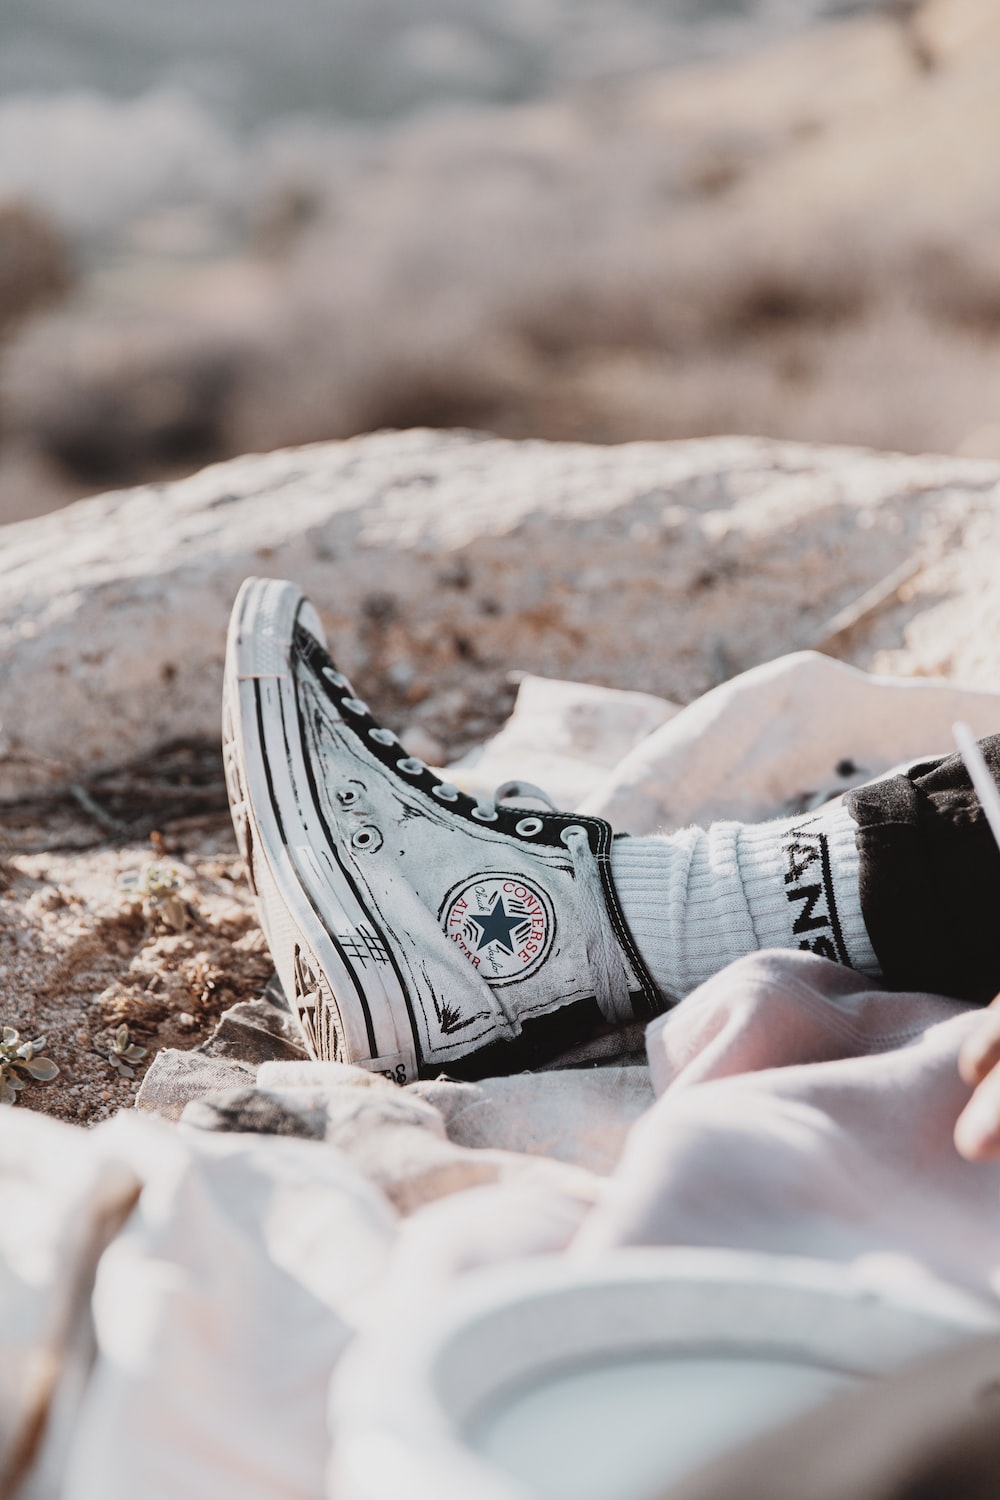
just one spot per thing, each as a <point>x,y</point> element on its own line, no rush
<point>699,898</point>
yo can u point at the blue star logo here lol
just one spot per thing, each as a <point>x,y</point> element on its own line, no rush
<point>496,926</point>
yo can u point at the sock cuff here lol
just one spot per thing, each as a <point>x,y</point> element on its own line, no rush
<point>800,877</point>
<point>683,899</point>
<point>699,898</point>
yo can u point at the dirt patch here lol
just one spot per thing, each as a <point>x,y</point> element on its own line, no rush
<point>83,951</point>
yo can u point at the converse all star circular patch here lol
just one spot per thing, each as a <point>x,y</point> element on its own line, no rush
<point>503,924</point>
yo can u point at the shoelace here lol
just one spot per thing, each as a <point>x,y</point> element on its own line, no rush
<point>603,951</point>
<point>486,807</point>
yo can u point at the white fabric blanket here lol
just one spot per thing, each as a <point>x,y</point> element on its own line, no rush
<point>796,1113</point>
<point>802,1111</point>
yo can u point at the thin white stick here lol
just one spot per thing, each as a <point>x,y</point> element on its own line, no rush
<point>979,771</point>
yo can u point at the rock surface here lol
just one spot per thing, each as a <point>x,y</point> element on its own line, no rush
<point>440,562</point>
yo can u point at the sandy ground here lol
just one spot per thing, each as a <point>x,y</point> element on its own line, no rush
<point>81,951</point>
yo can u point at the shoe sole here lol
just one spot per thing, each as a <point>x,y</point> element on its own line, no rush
<point>339,973</point>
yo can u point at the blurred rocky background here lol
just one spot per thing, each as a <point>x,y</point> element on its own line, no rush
<point>235,227</point>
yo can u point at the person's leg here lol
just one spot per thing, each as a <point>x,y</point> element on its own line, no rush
<point>900,880</point>
<point>929,878</point>
<point>700,898</point>
<point>415,928</point>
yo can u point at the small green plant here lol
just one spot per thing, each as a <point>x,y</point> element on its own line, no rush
<point>123,1052</point>
<point>22,1063</point>
<point>159,886</point>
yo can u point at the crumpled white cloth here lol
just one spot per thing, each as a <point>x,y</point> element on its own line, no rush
<point>61,1203</point>
<point>803,1110</point>
<point>761,744</point>
<point>221,1312</point>
<point>773,738</point>
<point>564,737</point>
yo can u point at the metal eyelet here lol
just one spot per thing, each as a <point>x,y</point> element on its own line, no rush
<point>573,828</point>
<point>528,827</point>
<point>354,705</point>
<point>346,795</point>
<point>485,814</point>
<point>383,737</point>
<point>411,766</point>
<point>337,679</point>
<point>369,839</point>
<point>445,791</point>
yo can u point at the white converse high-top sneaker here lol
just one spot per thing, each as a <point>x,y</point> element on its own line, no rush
<point>412,927</point>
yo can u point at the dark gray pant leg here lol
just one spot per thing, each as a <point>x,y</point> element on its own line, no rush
<point>930,879</point>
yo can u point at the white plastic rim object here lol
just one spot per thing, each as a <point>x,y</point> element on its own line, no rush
<point>518,1381</point>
